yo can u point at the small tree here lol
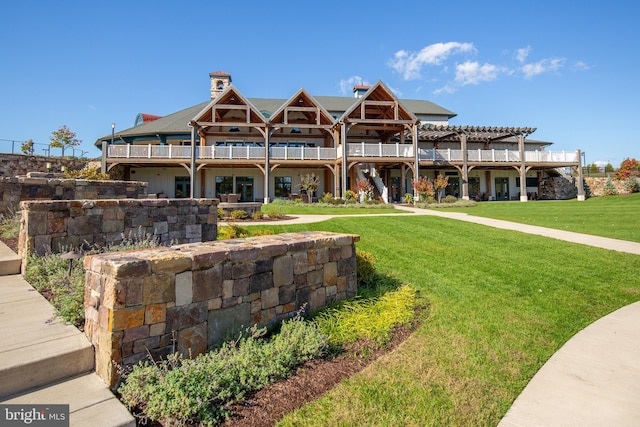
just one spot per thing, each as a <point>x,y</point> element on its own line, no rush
<point>593,168</point>
<point>628,169</point>
<point>424,187</point>
<point>63,138</point>
<point>365,189</point>
<point>608,168</point>
<point>27,147</point>
<point>309,185</point>
<point>441,183</point>
<point>609,188</point>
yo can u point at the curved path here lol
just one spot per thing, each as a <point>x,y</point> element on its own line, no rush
<point>594,379</point>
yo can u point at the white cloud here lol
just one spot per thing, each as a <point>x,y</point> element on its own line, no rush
<point>410,64</point>
<point>580,66</point>
<point>471,72</point>
<point>521,54</point>
<point>474,73</point>
<point>346,85</point>
<point>541,67</point>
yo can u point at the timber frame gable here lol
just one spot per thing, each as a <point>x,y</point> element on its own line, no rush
<point>302,110</point>
<point>229,110</point>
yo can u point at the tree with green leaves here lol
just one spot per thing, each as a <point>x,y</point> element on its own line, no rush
<point>63,138</point>
<point>27,147</point>
<point>608,168</point>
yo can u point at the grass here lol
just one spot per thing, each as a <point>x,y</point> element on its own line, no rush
<point>324,209</point>
<point>607,216</point>
<point>501,303</point>
<point>10,224</point>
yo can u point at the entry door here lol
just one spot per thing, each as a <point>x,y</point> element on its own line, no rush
<point>183,187</point>
<point>395,189</point>
<point>502,188</point>
<point>244,187</point>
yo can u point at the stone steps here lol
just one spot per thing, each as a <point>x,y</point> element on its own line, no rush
<point>10,263</point>
<point>44,361</point>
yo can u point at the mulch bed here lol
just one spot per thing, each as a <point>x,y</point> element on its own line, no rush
<point>311,381</point>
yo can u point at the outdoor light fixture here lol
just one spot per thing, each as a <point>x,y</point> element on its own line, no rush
<point>295,130</point>
<point>113,128</point>
<point>234,129</point>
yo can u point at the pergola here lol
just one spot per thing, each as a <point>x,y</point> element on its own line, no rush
<point>484,134</point>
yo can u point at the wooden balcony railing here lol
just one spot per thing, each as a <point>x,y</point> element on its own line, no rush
<point>354,151</point>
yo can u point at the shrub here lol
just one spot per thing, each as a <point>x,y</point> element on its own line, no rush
<point>350,196</point>
<point>450,199</point>
<point>370,318</point>
<point>257,215</point>
<point>220,213</point>
<point>327,198</point>
<point>49,275</point>
<point>408,198</point>
<point>365,268</point>
<point>193,391</point>
<point>239,214</point>
<point>609,189</point>
<point>89,172</point>
<point>262,232</point>
<point>632,185</point>
<point>275,214</point>
<point>232,231</point>
<point>298,200</point>
<point>10,224</point>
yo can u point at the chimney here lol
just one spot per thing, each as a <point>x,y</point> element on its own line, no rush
<point>358,91</point>
<point>220,80</point>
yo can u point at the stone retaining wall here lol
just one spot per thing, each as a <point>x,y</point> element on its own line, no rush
<point>57,226</point>
<point>189,297</point>
<point>22,164</point>
<point>596,185</point>
<point>39,186</point>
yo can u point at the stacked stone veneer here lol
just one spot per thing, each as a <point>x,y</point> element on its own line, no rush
<point>57,226</point>
<point>189,297</point>
<point>22,164</point>
<point>40,186</point>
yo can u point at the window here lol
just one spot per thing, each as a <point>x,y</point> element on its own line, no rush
<point>531,181</point>
<point>224,185</point>
<point>282,186</point>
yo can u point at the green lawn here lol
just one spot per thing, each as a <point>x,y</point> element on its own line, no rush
<point>614,216</point>
<point>501,303</point>
<point>316,209</point>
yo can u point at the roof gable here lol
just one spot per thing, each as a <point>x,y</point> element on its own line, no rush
<point>232,108</point>
<point>378,105</point>
<point>302,109</point>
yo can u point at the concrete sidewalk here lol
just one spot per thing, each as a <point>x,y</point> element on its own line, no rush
<point>593,380</point>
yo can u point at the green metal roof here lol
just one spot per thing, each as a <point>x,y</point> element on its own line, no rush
<point>177,123</point>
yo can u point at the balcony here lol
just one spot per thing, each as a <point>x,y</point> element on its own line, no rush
<point>355,151</point>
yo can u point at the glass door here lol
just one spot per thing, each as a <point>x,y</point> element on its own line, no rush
<point>502,188</point>
<point>244,187</point>
<point>183,187</point>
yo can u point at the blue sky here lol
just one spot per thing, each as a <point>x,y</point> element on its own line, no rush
<point>570,69</point>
